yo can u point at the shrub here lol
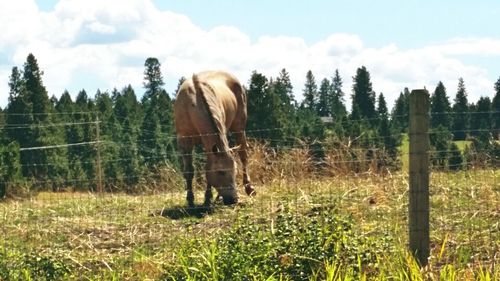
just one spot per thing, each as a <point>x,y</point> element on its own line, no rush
<point>455,160</point>
<point>15,265</point>
<point>291,246</point>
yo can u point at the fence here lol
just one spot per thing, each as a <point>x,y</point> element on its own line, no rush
<point>455,211</point>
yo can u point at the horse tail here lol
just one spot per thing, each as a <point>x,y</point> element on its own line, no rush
<point>210,108</point>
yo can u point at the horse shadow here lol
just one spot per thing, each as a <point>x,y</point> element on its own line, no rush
<point>182,212</point>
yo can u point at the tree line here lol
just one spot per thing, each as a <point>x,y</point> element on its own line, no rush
<point>52,143</point>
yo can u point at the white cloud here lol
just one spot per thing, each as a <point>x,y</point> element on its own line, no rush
<point>103,44</point>
<point>101,28</point>
<point>469,46</point>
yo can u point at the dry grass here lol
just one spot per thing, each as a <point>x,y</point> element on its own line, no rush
<point>135,236</point>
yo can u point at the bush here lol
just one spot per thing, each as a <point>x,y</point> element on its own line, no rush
<point>440,138</point>
<point>455,160</point>
<point>15,265</point>
<point>291,247</point>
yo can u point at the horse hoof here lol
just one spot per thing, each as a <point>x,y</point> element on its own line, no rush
<point>250,190</point>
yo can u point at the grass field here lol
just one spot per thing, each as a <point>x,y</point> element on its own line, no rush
<point>272,236</point>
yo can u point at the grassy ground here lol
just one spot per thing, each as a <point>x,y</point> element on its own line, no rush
<point>117,236</point>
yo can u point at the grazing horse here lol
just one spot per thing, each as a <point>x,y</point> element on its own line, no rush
<point>207,106</point>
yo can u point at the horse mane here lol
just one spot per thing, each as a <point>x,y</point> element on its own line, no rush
<point>211,105</point>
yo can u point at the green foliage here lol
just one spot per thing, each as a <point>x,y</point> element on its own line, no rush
<point>481,119</point>
<point>293,247</point>
<point>310,92</point>
<point>110,130</point>
<point>153,80</point>
<point>440,138</point>
<point>495,107</point>
<point>28,111</point>
<point>455,160</point>
<point>363,97</point>
<point>16,265</point>
<point>157,124</point>
<point>400,112</point>
<point>10,167</point>
<point>460,120</point>
<point>483,151</point>
<point>390,140</point>
<point>137,139</point>
<point>129,152</point>
<point>324,108</point>
<point>266,114</point>
<point>440,107</point>
<point>336,101</point>
<point>83,157</point>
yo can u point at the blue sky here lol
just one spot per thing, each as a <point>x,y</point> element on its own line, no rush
<point>409,23</point>
<point>103,44</point>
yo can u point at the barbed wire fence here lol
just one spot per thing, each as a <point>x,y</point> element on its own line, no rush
<point>109,223</point>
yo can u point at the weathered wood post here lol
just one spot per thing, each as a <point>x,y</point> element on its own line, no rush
<point>98,159</point>
<point>419,176</point>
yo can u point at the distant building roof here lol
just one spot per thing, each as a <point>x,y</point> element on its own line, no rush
<point>326,119</point>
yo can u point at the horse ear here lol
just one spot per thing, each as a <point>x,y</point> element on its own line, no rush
<point>215,149</point>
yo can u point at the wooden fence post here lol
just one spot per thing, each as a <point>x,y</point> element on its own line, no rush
<point>98,158</point>
<point>419,176</point>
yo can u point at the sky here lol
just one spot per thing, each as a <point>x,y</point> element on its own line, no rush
<point>102,44</point>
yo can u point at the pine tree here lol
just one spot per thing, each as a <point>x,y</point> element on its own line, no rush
<point>127,107</point>
<point>460,120</point>
<point>256,106</point>
<point>166,119</point>
<point>153,79</point>
<point>483,149</point>
<point>336,100</point>
<point>482,119</point>
<point>440,138</point>
<point>324,98</point>
<point>383,114</point>
<point>400,112</point>
<point>104,106</point>
<point>10,167</point>
<point>32,76</point>
<point>495,107</point>
<point>440,107</point>
<point>483,110</point>
<point>19,113</point>
<point>83,158</point>
<point>150,144</point>
<point>157,124</point>
<point>2,125</point>
<point>284,89</point>
<point>40,134</point>
<point>110,132</point>
<point>65,107</point>
<point>363,98</point>
<point>310,92</point>
<point>390,141</point>
<point>265,114</point>
<point>128,112</point>
<point>129,153</point>
<point>312,131</point>
<point>280,91</point>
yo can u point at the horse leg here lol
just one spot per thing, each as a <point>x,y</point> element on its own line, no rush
<point>241,141</point>
<point>188,170</point>
<point>208,196</point>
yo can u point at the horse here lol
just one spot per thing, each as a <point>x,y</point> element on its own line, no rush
<point>207,107</point>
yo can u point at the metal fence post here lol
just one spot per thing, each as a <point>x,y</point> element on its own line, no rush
<point>419,239</point>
